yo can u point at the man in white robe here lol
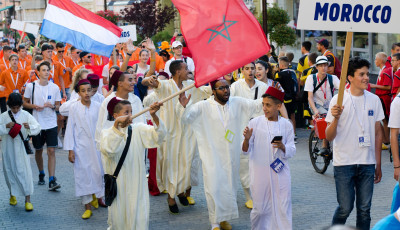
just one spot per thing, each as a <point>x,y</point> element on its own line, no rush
<point>217,124</point>
<point>270,189</point>
<point>176,154</point>
<point>79,141</point>
<point>124,86</point>
<point>130,208</point>
<point>16,162</point>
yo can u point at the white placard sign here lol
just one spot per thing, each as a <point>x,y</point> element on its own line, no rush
<point>349,15</point>
<point>29,28</point>
<point>1,34</point>
<point>129,32</point>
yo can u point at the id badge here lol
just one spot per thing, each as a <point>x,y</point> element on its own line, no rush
<point>229,135</point>
<point>277,165</point>
<point>15,91</point>
<point>364,141</point>
<point>64,71</point>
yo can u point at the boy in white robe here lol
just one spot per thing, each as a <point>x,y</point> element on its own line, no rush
<point>16,162</point>
<point>130,208</point>
<point>79,141</point>
<point>269,165</point>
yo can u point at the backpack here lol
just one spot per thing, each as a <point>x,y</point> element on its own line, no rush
<point>337,65</point>
<point>330,80</point>
<point>294,78</point>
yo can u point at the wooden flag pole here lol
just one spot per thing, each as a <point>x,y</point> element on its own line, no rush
<point>22,35</point>
<point>345,65</point>
<point>165,99</point>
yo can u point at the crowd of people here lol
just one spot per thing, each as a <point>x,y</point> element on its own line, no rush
<point>241,126</point>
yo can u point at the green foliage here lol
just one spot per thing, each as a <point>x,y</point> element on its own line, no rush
<point>283,35</point>
<point>109,15</point>
<point>162,36</point>
<point>278,30</point>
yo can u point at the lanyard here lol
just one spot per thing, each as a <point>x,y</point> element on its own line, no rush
<point>224,124</point>
<point>63,63</point>
<point>47,93</point>
<point>15,82</point>
<point>52,72</point>
<point>22,66</point>
<point>101,60</point>
<point>324,92</point>
<point>360,120</point>
<point>5,63</point>
<point>75,63</point>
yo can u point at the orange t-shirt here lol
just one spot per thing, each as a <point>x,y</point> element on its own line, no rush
<point>4,64</point>
<point>134,57</point>
<point>25,64</point>
<point>98,60</point>
<point>56,71</point>
<point>76,68</point>
<point>65,63</point>
<point>13,80</point>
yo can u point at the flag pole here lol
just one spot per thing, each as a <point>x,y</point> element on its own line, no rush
<point>165,99</point>
<point>345,65</point>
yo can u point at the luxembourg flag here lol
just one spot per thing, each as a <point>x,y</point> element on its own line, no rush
<point>68,22</point>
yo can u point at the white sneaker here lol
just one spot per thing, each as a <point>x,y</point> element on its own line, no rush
<point>60,145</point>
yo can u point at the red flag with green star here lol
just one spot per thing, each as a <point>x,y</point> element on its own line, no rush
<point>222,36</point>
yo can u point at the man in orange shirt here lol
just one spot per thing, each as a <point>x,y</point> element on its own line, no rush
<point>75,56</point>
<point>5,42</point>
<point>56,70</point>
<point>86,59</point>
<point>67,65</point>
<point>24,59</point>
<point>4,61</point>
<point>13,78</point>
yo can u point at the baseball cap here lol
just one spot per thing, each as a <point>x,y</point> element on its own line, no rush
<point>321,60</point>
<point>176,44</point>
<point>323,42</point>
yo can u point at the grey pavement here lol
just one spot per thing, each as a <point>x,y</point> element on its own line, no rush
<point>313,198</point>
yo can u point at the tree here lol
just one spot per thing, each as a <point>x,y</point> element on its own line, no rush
<point>279,32</point>
<point>149,17</point>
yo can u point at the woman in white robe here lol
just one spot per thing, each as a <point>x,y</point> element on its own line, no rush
<point>131,207</point>
<point>16,162</point>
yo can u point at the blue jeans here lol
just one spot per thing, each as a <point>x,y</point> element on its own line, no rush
<point>354,182</point>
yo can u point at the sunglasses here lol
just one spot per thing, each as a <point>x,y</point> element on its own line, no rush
<point>223,87</point>
<point>89,56</point>
<point>61,51</point>
<point>78,52</point>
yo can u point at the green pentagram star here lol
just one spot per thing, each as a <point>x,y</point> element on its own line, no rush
<point>215,30</point>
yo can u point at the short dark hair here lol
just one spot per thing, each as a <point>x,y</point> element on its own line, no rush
<point>46,63</point>
<point>7,48</point>
<point>356,63</point>
<point>14,99</point>
<point>13,55</point>
<point>284,59</point>
<point>274,99</point>
<point>20,47</point>
<point>46,46</point>
<point>290,56</point>
<point>76,87</point>
<point>73,48</point>
<point>396,55</point>
<point>175,66</point>
<point>59,45</point>
<point>165,54</point>
<point>120,104</point>
<point>312,57</point>
<point>395,44</point>
<point>5,40</point>
<point>307,45</point>
<point>52,41</point>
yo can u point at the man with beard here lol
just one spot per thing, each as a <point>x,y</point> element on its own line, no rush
<point>218,123</point>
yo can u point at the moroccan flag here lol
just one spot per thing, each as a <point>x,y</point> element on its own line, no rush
<point>222,36</point>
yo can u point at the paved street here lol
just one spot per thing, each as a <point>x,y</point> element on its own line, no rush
<point>313,197</point>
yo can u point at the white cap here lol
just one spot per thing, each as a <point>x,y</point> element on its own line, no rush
<point>321,60</point>
<point>176,44</point>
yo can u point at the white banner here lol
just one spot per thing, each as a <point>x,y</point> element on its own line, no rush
<point>29,28</point>
<point>129,32</point>
<point>349,15</point>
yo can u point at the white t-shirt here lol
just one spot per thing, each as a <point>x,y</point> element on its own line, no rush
<point>324,90</point>
<point>189,62</point>
<point>346,150</point>
<point>394,119</point>
<point>140,70</point>
<point>47,118</point>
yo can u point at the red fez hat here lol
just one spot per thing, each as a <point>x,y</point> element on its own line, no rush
<point>212,84</point>
<point>94,79</point>
<point>274,92</point>
<point>111,105</point>
<point>81,82</point>
<point>164,74</point>
<point>115,78</point>
<point>15,130</point>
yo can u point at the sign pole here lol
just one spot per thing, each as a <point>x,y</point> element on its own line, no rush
<point>345,66</point>
<point>22,35</point>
